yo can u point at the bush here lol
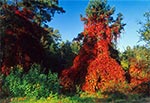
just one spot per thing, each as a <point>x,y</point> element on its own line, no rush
<point>34,83</point>
<point>1,79</point>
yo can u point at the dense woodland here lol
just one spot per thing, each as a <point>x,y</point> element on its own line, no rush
<point>36,63</point>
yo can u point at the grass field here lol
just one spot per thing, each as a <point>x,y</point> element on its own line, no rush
<point>82,98</point>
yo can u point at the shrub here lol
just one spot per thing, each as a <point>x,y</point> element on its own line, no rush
<point>1,79</point>
<point>34,83</point>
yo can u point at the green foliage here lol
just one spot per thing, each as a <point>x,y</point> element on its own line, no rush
<point>139,53</point>
<point>33,84</point>
<point>125,64</point>
<point>98,7</point>
<point>13,82</point>
<point>1,80</point>
<point>125,58</point>
<point>75,47</point>
<point>145,29</point>
<point>67,52</point>
<point>43,10</point>
<point>51,40</point>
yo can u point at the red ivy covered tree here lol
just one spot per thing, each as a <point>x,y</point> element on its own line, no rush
<point>95,68</point>
<point>23,31</point>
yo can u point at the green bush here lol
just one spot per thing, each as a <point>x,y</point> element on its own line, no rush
<point>1,80</point>
<point>32,84</point>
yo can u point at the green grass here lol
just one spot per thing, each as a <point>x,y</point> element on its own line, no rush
<point>54,100</point>
<point>82,98</point>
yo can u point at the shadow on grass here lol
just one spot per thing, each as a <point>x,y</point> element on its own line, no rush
<point>5,100</point>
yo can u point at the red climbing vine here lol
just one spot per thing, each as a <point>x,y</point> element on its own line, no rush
<point>94,68</point>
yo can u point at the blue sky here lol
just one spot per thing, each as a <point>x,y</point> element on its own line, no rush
<point>69,24</point>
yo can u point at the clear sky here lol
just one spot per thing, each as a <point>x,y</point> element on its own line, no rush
<point>69,23</point>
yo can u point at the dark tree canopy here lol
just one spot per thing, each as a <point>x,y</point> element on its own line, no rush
<point>23,31</point>
<point>39,11</point>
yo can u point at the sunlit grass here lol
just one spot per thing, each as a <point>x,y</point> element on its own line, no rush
<point>83,98</point>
